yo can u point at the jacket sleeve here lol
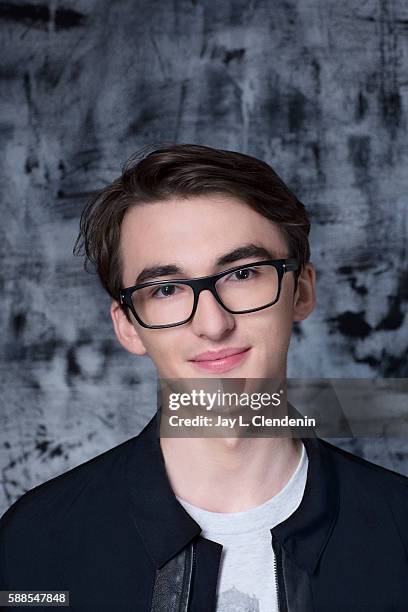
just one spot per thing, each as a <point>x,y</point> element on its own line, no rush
<point>3,554</point>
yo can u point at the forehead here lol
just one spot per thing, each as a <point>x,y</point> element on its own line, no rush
<point>193,233</point>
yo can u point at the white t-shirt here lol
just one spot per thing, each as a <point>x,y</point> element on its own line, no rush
<point>246,580</point>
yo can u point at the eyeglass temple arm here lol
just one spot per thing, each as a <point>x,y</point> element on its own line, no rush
<point>291,265</point>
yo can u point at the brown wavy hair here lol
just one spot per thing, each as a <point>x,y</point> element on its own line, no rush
<point>185,170</point>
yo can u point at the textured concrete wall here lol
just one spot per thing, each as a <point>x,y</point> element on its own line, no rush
<point>317,88</point>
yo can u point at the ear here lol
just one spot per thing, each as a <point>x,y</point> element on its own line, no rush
<point>126,331</point>
<point>304,299</point>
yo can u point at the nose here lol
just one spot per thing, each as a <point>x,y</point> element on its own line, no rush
<point>211,319</point>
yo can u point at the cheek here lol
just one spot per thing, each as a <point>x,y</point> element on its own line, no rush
<point>271,328</point>
<point>273,321</point>
<point>162,344</point>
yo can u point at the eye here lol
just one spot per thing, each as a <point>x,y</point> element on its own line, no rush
<point>242,275</point>
<point>164,291</point>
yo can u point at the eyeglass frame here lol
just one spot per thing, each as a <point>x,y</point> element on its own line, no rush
<point>201,283</point>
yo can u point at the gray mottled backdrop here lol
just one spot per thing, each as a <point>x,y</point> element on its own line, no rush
<point>317,88</point>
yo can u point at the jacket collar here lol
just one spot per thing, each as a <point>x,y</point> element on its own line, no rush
<point>305,533</point>
<point>163,524</point>
<point>166,528</point>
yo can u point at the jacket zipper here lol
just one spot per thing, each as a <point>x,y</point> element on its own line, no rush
<point>191,575</point>
<point>276,581</point>
<point>279,581</point>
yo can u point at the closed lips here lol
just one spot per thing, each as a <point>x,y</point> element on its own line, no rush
<point>217,355</point>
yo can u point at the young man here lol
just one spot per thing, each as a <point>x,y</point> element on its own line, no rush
<point>205,255</point>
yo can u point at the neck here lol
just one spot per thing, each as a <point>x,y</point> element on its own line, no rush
<point>229,474</point>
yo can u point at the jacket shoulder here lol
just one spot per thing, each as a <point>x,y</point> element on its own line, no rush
<point>377,489</point>
<point>83,511</point>
<point>56,497</point>
<point>358,467</point>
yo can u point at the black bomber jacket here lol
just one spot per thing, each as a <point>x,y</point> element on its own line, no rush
<point>112,533</point>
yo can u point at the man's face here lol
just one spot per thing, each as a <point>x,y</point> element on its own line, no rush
<point>192,234</point>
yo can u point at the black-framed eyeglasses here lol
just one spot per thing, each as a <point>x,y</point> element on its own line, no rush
<point>239,290</point>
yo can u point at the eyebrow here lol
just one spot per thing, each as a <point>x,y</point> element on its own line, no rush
<point>241,252</point>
